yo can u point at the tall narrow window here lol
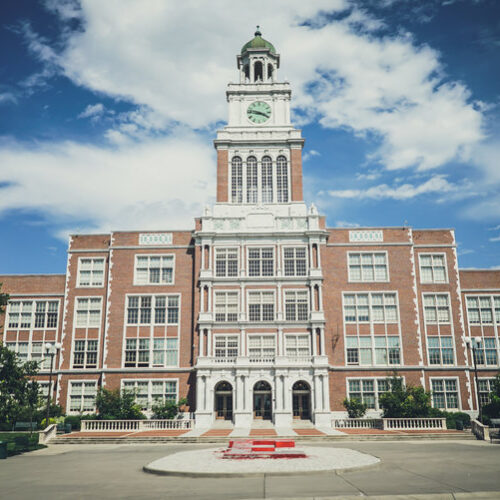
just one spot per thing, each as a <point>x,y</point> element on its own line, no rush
<point>267,180</point>
<point>236,180</point>
<point>252,183</point>
<point>282,179</point>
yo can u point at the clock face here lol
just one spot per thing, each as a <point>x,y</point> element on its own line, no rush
<point>259,112</point>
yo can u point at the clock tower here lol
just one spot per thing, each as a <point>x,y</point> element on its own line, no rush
<point>259,152</point>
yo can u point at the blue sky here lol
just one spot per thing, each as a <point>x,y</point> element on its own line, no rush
<point>108,110</point>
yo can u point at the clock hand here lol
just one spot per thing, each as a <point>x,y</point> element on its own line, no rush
<point>255,112</point>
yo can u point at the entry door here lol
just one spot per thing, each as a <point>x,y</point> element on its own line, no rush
<point>301,406</point>
<point>224,406</point>
<point>262,406</point>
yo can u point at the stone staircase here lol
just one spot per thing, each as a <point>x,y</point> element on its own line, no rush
<point>130,439</point>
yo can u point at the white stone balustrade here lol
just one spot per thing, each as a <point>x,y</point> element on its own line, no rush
<point>480,430</point>
<point>413,423</point>
<point>134,425</point>
<point>390,424</point>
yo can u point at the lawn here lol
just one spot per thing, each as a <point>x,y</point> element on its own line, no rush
<point>20,442</point>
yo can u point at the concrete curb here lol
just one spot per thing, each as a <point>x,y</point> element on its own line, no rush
<point>484,495</point>
<point>163,472</point>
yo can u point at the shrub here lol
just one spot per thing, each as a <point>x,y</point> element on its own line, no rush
<point>43,424</point>
<point>355,408</point>
<point>457,420</point>
<point>167,410</point>
<point>492,409</point>
<point>75,421</point>
<point>116,405</point>
<point>405,401</point>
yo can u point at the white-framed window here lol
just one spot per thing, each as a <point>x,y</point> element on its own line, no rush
<point>249,185</point>
<point>236,180</point>
<point>368,267</point>
<point>381,350</point>
<point>282,178</point>
<point>486,352</point>
<point>267,179</point>
<point>433,268</point>
<point>261,347</point>
<point>226,262</point>
<point>152,391</point>
<point>28,314</point>
<point>484,390</point>
<point>437,308</point>
<point>367,390</point>
<point>31,351</point>
<point>90,272</point>
<point>154,269</point>
<point>85,353</point>
<point>261,306</point>
<point>88,312</point>
<point>295,261</point>
<point>156,352</point>
<point>445,393</point>
<point>81,395</point>
<point>372,307</point>
<point>43,389</point>
<point>261,261</point>
<point>226,306</point>
<point>483,309</point>
<point>440,349</point>
<point>252,180</point>
<point>152,309</point>
<point>226,346</point>
<point>298,345</point>
<point>296,305</point>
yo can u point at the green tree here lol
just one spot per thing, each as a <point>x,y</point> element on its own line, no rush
<point>117,405</point>
<point>405,401</point>
<point>492,409</point>
<point>16,385</point>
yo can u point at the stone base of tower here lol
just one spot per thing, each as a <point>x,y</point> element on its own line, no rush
<point>243,419</point>
<point>322,418</point>
<point>283,419</point>
<point>203,419</point>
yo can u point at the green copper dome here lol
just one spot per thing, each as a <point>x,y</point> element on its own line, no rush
<point>258,43</point>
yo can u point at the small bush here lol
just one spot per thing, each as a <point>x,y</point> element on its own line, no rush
<point>167,410</point>
<point>355,408</point>
<point>75,421</point>
<point>43,423</point>
<point>457,420</point>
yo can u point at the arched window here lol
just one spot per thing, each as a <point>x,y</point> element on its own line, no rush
<point>267,180</point>
<point>246,70</point>
<point>252,185</point>
<point>269,71</point>
<point>258,71</point>
<point>236,180</point>
<point>282,179</point>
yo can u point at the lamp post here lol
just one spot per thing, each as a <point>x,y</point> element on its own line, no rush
<point>51,351</point>
<point>474,343</point>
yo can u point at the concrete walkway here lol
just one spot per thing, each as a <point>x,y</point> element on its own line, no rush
<point>435,468</point>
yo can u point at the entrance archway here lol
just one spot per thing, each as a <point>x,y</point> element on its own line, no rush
<point>224,401</point>
<point>262,400</point>
<point>301,400</point>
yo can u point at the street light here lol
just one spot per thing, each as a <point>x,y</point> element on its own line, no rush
<point>474,343</point>
<point>51,351</point>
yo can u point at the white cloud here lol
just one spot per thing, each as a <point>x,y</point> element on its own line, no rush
<point>175,58</point>
<point>161,183</point>
<point>370,176</point>
<point>436,184</point>
<point>6,97</point>
<point>496,238</point>
<point>310,154</point>
<point>92,111</point>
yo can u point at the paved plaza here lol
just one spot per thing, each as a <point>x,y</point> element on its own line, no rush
<point>115,471</point>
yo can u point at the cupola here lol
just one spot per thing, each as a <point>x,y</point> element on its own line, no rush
<point>258,61</point>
